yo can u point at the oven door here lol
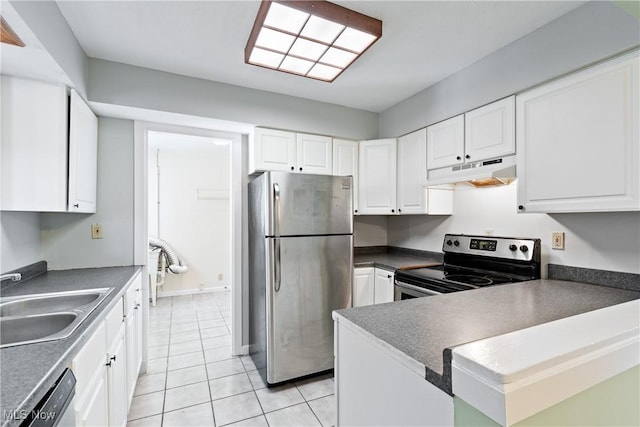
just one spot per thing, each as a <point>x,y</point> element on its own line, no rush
<point>404,291</point>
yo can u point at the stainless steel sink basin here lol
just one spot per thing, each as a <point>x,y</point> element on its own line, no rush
<point>29,319</point>
<point>14,330</point>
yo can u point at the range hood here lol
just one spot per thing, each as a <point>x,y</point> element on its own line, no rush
<point>498,171</point>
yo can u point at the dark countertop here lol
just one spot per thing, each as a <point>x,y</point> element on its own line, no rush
<point>28,371</point>
<point>427,329</point>
<point>393,258</point>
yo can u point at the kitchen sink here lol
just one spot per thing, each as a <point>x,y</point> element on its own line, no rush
<point>14,330</point>
<point>35,318</point>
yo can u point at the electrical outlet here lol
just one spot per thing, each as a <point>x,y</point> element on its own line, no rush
<point>557,240</point>
<point>96,231</point>
<point>220,276</point>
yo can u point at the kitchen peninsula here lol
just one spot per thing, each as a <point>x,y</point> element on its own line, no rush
<point>405,363</point>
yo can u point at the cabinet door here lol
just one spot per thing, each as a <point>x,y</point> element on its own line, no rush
<point>117,381</point>
<point>412,173</point>
<point>133,336</point>
<point>363,286</point>
<point>490,130</point>
<point>383,286</point>
<point>577,141</point>
<point>34,145</point>
<point>273,150</point>
<point>94,411</point>
<point>377,167</point>
<point>314,154</point>
<point>445,143</point>
<point>345,163</point>
<point>83,156</point>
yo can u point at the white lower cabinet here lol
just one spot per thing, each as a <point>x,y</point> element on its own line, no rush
<point>103,367</point>
<point>372,286</point>
<point>376,387</point>
<point>133,334</point>
<point>363,278</point>
<point>383,286</point>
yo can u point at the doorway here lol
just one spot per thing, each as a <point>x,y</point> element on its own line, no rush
<point>194,200</point>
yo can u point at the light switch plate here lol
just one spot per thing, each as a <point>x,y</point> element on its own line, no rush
<point>557,240</point>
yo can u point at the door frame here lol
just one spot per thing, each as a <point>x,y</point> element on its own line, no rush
<point>238,211</point>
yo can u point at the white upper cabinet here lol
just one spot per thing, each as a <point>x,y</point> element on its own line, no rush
<point>83,156</point>
<point>445,143</point>
<point>273,150</point>
<point>278,150</point>
<point>490,131</point>
<point>412,173</point>
<point>577,141</point>
<point>49,148</point>
<point>377,177</point>
<point>345,163</point>
<point>34,145</point>
<point>315,154</point>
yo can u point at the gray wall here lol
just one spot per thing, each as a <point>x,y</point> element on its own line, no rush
<point>20,239</point>
<point>66,237</point>
<point>587,34</point>
<point>126,85</point>
<point>49,26</point>
<point>609,241</point>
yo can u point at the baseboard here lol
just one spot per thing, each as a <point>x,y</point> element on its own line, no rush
<point>162,294</point>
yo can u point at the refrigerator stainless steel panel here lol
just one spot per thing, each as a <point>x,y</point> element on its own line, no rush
<point>301,264</point>
<point>304,204</point>
<point>311,278</point>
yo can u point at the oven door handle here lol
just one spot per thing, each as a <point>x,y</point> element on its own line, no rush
<point>417,288</point>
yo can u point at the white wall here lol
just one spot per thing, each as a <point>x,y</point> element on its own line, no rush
<point>20,242</point>
<point>369,230</point>
<point>66,237</point>
<point>607,241</point>
<point>194,210</point>
<point>587,34</point>
<point>130,86</point>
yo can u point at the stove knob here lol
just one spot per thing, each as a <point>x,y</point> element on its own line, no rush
<point>449,242</point>
<point>456,243</point>
<point>524,248</point>
<point>512,247</point>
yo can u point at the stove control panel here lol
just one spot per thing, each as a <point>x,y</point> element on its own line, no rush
<point>497,247</point>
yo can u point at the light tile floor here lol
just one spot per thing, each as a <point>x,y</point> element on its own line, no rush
<point>193,380</point>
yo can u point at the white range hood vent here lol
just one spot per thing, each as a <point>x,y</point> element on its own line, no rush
<point>498,171</point>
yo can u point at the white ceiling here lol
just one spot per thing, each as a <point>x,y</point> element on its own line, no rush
<point>422,42</point>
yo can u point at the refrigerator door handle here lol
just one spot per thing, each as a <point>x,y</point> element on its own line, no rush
<point>277,267</point>
<point>276,209</point>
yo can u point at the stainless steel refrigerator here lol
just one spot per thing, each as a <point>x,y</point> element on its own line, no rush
<point>300,270</point>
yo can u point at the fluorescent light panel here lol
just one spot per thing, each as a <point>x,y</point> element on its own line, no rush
<point>315,39</point>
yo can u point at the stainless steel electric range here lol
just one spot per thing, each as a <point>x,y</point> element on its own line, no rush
<point>472,262</point>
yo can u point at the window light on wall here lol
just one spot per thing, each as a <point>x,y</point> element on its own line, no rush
<point>315,39</point>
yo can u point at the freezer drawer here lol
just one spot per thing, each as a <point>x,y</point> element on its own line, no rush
<point>310,277</point>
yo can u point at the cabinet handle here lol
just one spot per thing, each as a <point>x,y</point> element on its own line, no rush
<point>520,207</point>
<point>292,168</point>
<point>467,156</point>
<point>300,169</point>
<point>393,210</point>
<point>356,211</point>
<point>137,306</point>
<point>388,276</point>
<point>76,205</point>
<point>399,210</point>
<point>111,359</point>
<point>458,158</point>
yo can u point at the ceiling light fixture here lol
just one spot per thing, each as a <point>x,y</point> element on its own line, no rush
<point>315,39</point>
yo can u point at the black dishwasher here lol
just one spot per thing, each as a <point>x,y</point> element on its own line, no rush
<point>56,407</point>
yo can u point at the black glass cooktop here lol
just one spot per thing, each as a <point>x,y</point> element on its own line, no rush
<point>446,278</point>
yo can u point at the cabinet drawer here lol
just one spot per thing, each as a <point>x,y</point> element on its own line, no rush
<point>133,295</point>
<point>89,360</point>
